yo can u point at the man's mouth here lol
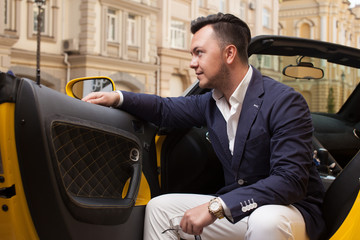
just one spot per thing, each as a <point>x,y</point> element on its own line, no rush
<point>199,73</point>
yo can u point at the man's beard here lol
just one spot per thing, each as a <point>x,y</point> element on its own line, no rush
<point>219,81</point>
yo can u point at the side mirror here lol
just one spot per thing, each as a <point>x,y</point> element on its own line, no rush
<point>80,87</point>
<point>303,70</point>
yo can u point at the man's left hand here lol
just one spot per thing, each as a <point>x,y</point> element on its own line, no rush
<point>195,219</point>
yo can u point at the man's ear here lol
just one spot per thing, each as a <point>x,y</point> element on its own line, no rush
<point>230,53</point>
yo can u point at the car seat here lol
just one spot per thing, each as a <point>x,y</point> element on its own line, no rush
<point>341,207</point>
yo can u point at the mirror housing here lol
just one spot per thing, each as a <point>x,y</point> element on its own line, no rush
<point>80,87</point>
<point>303,70</point>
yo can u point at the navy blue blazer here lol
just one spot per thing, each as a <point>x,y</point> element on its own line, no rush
<point>272,160</point>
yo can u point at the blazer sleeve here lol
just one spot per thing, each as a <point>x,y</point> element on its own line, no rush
<point>179,112</point>
<point>287,147</point>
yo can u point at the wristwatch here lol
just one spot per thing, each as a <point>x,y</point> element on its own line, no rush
<point>216,208</point>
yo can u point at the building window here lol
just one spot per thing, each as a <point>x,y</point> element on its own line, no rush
<point>242,10</point>
<point>178,34</point>
<point>222,6</point>
<point>131,30</point>
<point>45,13</point>
<point>6,13</point>
<point>201,3</point>
<point>9,14</point>
<point>305,30</point>
<point>43,19</point>
<point>176,85</point>
<point>266,18</point>
<point>266,61</point>
<point>111,25</point>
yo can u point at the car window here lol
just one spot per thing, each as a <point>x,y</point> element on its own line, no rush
<point>326,95</point>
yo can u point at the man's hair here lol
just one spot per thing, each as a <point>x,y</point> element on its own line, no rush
<point>228,29</point>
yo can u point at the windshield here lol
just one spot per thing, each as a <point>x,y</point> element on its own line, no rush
<point>325,95</point>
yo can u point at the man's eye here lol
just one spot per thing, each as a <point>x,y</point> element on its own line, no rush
<point>199,53</point>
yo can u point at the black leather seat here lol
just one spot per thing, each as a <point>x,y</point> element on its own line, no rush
<point>341,218</point>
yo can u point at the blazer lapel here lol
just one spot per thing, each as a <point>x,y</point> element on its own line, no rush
<point>251,106</point>
<point>221,135</point>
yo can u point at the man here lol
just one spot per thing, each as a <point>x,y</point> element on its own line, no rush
<point>261,132</point>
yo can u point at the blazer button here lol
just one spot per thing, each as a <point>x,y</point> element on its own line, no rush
<point>241,182</point>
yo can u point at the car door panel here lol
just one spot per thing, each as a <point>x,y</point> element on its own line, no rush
<point>75,159</point>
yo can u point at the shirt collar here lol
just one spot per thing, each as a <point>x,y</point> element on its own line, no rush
<point>239,93</point>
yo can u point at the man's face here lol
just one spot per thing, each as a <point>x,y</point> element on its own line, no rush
<point>207,59</point>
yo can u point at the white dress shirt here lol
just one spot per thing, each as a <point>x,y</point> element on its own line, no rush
<point>231,111</point>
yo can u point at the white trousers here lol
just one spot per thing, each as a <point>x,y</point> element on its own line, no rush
<point>270,222</point>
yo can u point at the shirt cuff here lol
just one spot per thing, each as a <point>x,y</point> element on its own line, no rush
<point>121,99</point>
<point>227,212</point>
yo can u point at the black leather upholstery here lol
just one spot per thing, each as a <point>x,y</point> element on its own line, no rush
<point>341,195</point>
<point>93,167</point>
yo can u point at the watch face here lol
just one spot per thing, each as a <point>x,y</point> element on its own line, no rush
<point>214,206</point>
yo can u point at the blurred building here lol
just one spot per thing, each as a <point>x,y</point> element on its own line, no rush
<point>82,38</point>
<point>143,45</point>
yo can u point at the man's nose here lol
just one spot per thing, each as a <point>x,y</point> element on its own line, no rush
<point>194,62</point>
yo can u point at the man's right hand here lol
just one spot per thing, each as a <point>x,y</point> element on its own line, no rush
<point>109,99</point>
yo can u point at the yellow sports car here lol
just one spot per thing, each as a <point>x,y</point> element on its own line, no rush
<point>73,170</point>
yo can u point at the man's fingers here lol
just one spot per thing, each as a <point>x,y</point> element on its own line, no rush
<point>102,98</point>
<point>197,231</point>
<point>91,96</point>
<point>95,101</point>
<point>189,225</point>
